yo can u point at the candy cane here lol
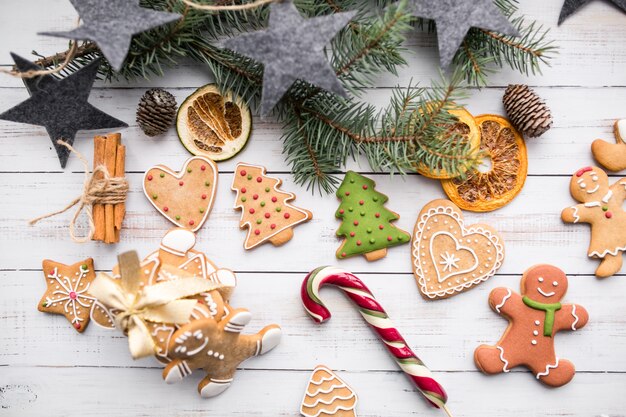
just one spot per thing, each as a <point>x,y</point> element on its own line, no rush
<point>377,318</point>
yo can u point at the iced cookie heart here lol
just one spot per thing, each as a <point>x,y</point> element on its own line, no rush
<point>449,258</point>
<point>185,197</point>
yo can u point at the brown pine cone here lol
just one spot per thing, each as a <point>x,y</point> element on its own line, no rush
<point>526,110</point>
<point>156,112</point>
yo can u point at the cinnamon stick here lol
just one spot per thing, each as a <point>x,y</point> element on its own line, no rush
<point>120,209</point>
<point>110,156</point>
<point>98,209</point>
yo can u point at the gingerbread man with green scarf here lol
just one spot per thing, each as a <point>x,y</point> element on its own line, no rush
<point>534,317</point>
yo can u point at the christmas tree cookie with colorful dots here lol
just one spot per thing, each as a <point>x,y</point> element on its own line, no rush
<point>185,198</point>
<point>68,291</point>
<point>366,223</point>
<point>266,211</point>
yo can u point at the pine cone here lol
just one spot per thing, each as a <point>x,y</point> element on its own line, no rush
<point>527,111</point>
<point>156,111</point>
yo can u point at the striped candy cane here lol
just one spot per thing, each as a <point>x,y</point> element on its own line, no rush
<point>377,318</point>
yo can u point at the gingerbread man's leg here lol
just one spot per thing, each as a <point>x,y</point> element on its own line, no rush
<point>555,374</point>
<point>175,371</point>
<point>490,359</point>
<point>212,385</point>
<point>610,265</point>
<point>262,342</point>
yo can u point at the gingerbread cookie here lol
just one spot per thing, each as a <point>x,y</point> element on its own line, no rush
<point>448,257</point>
<point>217,347</point>
<point>68,291</point>
<point>534,317</point>
<point>612,156</point>
<point>602,208</point>
<point>328,395</point>
<point>266,211</point>
<point>176,259</point>
<point>186,197</point>
<point>365,221</point>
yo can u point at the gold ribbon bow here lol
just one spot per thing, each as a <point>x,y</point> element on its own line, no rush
<point>133,304</point>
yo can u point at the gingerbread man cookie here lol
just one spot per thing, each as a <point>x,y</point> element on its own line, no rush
<point>534,317</point>
<point>217,347</point>
<point>602,208</point>
<point>612,156</point>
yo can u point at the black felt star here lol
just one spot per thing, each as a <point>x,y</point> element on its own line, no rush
<point>454,18</point>
<point>111,24</point>
<point>571,6</point>
<point>292,48</point>
<point>60,105</point>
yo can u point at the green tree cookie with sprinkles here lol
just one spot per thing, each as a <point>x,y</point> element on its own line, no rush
<point>266,211</point>
<point>366,223</point>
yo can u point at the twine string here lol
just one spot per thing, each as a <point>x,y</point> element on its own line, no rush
<point>105,190</point>
<point>230,7</point>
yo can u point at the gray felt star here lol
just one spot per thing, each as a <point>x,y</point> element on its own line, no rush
<point>60,105</point>
<point>454,18</point>
<point>292,48</point>
<point>111,24</point>
<point>571,6</point>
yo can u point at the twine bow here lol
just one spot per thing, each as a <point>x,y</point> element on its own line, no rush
<point>134,305</point>
<point>105,190</point>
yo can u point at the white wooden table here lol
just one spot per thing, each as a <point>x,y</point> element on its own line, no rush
<point>46,368</point>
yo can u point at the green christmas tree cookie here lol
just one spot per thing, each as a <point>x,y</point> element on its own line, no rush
<point>366,223</point>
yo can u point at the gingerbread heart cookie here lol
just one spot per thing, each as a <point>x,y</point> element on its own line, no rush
<point>185,197</point>
<point>448,257</point>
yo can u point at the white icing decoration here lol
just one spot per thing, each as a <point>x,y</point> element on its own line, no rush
<point>594,189</point>
<point>504,361</point>
<point>575,317</point>
<point>548,367</point>
<point>506,297</point>
<point>309,401</point>
<point>620,128</point>
<point>537,322</point>
<point>593,204</point>
<point>534,342</point>
<point>65,288</point>
<point>535,332</point>
<point>545,294</point>
<point>178,241</point>
<point>540,279</point>
<point>607,197</point>
<point>449,261</point>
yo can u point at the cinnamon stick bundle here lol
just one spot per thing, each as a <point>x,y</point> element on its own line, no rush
<point>110,153</point>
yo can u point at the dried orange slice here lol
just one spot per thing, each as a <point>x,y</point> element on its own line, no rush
<point>503,174</point>
<point>213,125</point>
<point>467,130</point>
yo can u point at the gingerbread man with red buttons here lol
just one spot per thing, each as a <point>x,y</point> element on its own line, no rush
<point>602,208</point>
<point>534,317</point>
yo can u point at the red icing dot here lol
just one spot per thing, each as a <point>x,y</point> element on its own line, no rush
<point>243,172</point>
<point>343,254</point>
<point>191,222</point>
<point>356,223</point>
<point>77,325</point>
<point>73,295</point>
<point>365,187</point>
<point>351,234</point>
<point>257,232</point>
<point>342,211</point>
<point>358,243</point>
<point>256,196</point>
<point>267,215</point>
<point>361,202</point>
<point>273,226</point>
<point>202,168</point>
<point>377,215</point>
<point>608,214</point>
<point>287,215</point>
<point>389,238</point>
<point>181,183</point>
<point>274,199</point>
<point>347,192</point>
<point>259,179</point>
<point>243,190</point>
<point>149,177</point>
<point>166,209</point>
<point>381,227</point>
<point>204,196</point>
<point>251,211</point>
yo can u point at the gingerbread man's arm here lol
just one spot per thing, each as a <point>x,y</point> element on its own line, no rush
<point>619,190</point>
<point>571,317</point>
<point>576,214</point>
<point>504,301</point>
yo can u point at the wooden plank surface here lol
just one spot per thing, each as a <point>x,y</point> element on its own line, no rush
<point>46,368</point>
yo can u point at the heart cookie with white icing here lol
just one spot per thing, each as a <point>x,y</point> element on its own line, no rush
<point>449,258</point>
<point>185,197</point>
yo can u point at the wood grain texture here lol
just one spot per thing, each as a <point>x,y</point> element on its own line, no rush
<point>48,369</point>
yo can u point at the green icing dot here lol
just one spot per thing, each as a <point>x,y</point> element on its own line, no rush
<point>45,304</point>
<point>267,189</point>
<point>249,177</point>
<point>259,221</point>
<point>154,196</point>
<point>362,213</point>
<point>188,169</point>
<point>278,209</point>
<point>351,181</point>
<point>243,199</point>
<point>262,203</point>
<point>375,198</point>
<point>207,184</point>
<point>369,230</point>
<point>162,175</point>
<point>201,210</point>
<point>605,208</point>
<point>177,217</point>
<point>372,240</point>
<point>350,209</point>
<point>83,266</point>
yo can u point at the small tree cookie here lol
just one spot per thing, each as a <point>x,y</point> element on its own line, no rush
<point>327,394</point>
<point>365,222</point>
<point>602,208</point>
<point>534,317</point>
<point>612,156</point>
<point>266,210</point>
